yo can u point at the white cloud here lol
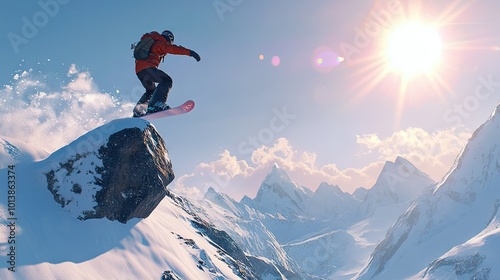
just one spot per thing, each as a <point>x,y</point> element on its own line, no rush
<point>433,153</point>
<point>238,177</point>
<point>227,166</point>
<point>49,118</point>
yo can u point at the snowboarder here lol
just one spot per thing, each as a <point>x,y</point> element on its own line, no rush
<point>155,97</point>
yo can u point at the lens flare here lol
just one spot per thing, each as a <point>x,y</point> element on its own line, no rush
<point>325,59</point>
<point>276,61</point>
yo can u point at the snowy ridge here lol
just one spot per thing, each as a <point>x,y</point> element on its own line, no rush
<point>244,226</point>
<point>96,138</point>
<point>222,200</point>
<point>13,151</point>
<point>474,259</point>
<point>447,216</point>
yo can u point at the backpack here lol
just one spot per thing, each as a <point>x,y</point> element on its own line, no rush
<point>143,48</point>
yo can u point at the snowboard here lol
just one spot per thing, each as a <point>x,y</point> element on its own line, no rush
<point>186,107</point>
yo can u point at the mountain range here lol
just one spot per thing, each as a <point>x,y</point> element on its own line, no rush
<point>406,226</point>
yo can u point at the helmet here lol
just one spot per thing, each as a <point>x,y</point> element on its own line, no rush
<point>168,35</point>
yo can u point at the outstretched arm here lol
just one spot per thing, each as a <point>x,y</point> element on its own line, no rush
<point>180,50</point>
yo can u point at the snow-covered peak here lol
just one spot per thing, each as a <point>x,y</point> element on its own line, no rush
<point>217,198</point>
<point>399,182</point>
<point>479,160</point>
<point>221,200</point>
<point>279,194</point>
<point>277,176</point>
<point>211,194</point>
<point>328,190</point>
<point>330,202</point>
<point>278,182</point>
<point>399,170</point>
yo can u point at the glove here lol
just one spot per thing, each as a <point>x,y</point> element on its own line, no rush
<point>195,55</point>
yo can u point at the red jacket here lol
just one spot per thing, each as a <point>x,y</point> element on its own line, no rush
<point>159,49</point>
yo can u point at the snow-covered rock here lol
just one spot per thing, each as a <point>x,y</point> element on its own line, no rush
<point>119,171</point>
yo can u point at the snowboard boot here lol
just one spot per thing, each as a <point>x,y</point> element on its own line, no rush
<point>158,107</point>
<point>140,110</point>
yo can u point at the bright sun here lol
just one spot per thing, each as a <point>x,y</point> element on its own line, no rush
<point>413,48</point>
<point>412,58</point>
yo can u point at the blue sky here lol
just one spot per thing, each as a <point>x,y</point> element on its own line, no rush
<point>337,124</point>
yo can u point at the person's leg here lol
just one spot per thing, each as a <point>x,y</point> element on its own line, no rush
<point>147,79</point>
<point>160,94</point>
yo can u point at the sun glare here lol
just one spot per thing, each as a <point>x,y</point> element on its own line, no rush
<point>414,55</point>
<point>413,48</point>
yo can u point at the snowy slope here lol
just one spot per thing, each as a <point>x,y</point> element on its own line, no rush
<point>14,151</point>
<point>475,259</point>
<point>243,225</point>
<point>449,219</point>
<point>46,242</point>
<point>323,255</point>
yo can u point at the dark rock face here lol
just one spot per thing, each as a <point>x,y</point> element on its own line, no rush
<point>134,177</point>
<point>124,177</point>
